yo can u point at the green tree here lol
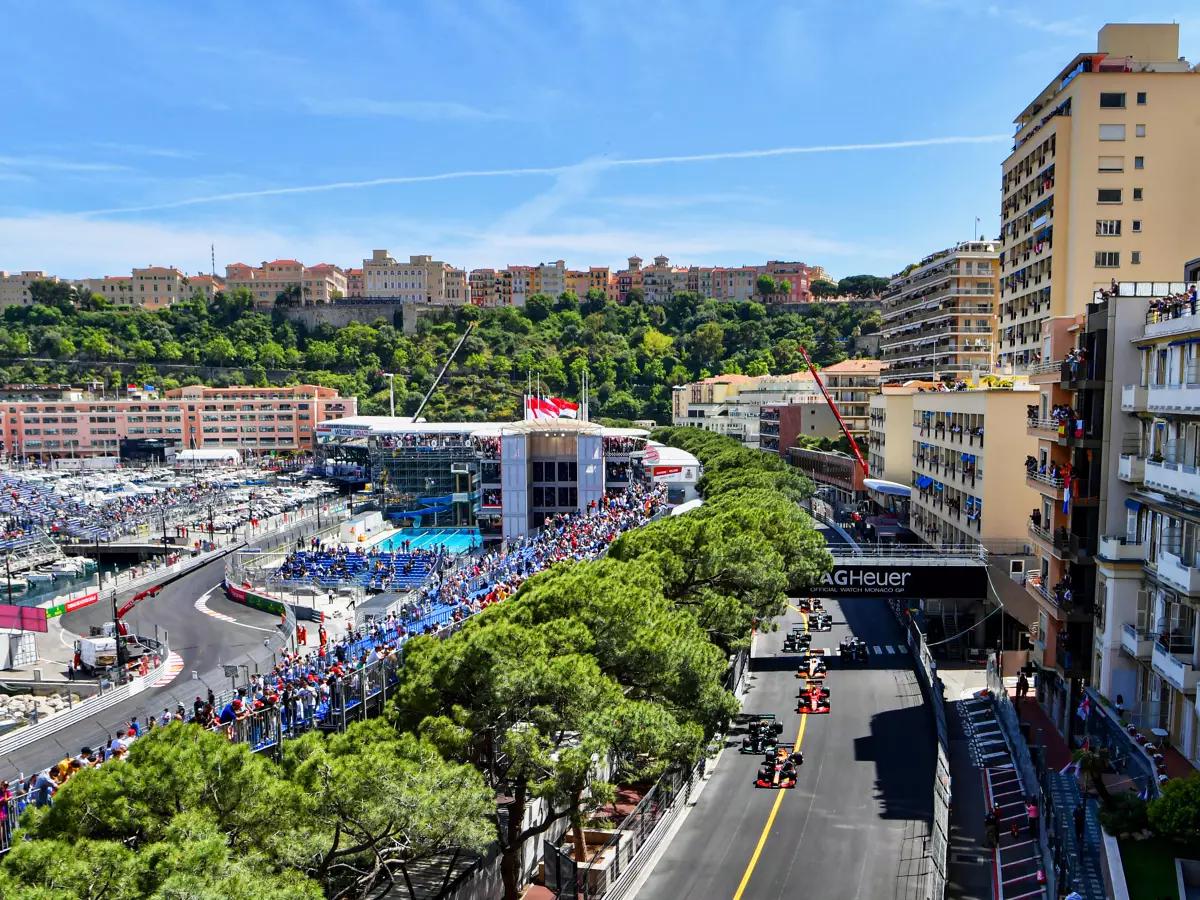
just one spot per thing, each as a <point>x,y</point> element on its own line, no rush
<point>538,307</point>
<point>1175,813</point>
<point>766,286</point>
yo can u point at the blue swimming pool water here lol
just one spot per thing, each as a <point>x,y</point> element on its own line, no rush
<point>455,540</point>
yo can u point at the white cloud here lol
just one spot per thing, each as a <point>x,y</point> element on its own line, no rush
<point>601,163</point>
<point>419,110</point>
<point>52,164</point>
<point>143,150</point>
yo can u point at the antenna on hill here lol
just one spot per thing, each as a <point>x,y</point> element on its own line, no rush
<point>213,250</point>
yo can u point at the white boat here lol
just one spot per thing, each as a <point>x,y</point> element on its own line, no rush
<point>40,576</point>
<point>69,566</point>
<point>17,582</point>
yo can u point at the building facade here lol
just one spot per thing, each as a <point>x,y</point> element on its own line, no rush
<point>891,460</point>
<point>72,422</point>
<point>937,316</point>
<point>732,405</point>
<point>1099,185</point>
<point>781,425</point>
<point>851,383</point>
<point>14,287</point>
<point>287,281</point>
<point>965,487</point>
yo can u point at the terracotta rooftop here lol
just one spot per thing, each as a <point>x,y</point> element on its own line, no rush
<point>852,366</point>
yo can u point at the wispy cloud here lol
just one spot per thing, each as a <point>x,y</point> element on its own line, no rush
<point>52,164</point>
<point>419,110</point>
<point>554,171</point>
<point>143,150</point>
<point>683,201</point>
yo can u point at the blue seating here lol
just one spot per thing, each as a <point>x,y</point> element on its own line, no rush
<point>382,571</point>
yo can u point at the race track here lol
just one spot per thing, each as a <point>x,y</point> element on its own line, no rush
<point>853,827</point>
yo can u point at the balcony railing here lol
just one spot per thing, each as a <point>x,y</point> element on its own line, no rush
<point>1180,673</point>
<point>1043,368</point>
<point>1133,397</point>
<point>1173,477</point>
<point>1131,468</point>
<point>1048,427</point>
<point>1173,397</point>
<point>1054,481</point>
<point>1118,548</point>
<point>1138,644</point>
<point>1178,574</point>
<point>1057,542</point>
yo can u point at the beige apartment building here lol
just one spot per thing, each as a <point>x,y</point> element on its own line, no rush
<point>116,289</point>
<point>937,315</point>
<point>1100,184</point>
<point>422,280</point>
<point>14,287</point>
<point>891,460</point>
<point>852,383</point>
<point>661,281</point>
<point>967,483</point>
<point>302,285</point>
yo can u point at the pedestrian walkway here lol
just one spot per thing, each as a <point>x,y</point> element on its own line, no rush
<point>1017,868</point>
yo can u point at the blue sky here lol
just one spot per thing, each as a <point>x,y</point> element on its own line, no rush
<point>854,135</point>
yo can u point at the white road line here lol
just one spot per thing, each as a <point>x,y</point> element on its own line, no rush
<point>878,651</point>
<point>890,649</point>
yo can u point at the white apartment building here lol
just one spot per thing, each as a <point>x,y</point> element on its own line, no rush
<point>421,280</point>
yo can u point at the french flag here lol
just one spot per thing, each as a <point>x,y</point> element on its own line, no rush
<point>565,408</point>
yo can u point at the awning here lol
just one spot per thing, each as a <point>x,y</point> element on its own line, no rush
<point>891,488</point>
<point>1191,340</point>
<point>1133,505</point>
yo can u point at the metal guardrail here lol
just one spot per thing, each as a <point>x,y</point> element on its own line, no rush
<point>911,551</point>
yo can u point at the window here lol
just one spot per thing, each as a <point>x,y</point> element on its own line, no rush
<point>1110,195</point>
<point>1137,193</point>
<point>1139,162</point>
<point>1108,227</point>
<point>1135,258</point>
<point>1112,101</point>
<point>1107,259</point>
<point>1139,130</point>
<point>1137,225</point>
<point>1112,132</point>
<point>1112,164</point>
<point>1141,98</point>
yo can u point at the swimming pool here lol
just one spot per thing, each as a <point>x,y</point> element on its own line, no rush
<point>455,540</point>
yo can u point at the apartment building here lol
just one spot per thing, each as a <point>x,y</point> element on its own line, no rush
<point>851,383</point>
<point>116,289</point>
<point>157,287</point>
<point>780,425</point>
<point>629,278</point>
<point>797,275</point>
<point>384,278</point>
<point>63,422</point>
<point>208,285</point>
<point>14,286</point>
<point>549,278</point>
<point>730,285</point>
<point>1148,567</point>
<point>662,281</point>
<point>937,315</point>
<point>733,405</point>
<point>288,281</point>
<point>485,288</point>
<point>891,460</point>
<point>965,487</point>
<point>355,287</point>
<point>1098,185</point>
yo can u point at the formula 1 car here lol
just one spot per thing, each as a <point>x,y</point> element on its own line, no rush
<point>813,665</point>
<point>852,650</point>
<point>820,621</point>
<point>779,768</point>
<point>762,733</point>
<point>813,699</point>
<point>809,604</point>
<point>796,640</point>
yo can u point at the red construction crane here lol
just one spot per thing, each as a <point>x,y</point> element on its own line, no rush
<point>846,431</point>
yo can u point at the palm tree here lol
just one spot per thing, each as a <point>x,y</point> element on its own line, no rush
<point>289,296</point>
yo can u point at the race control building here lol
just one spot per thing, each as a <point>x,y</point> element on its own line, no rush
<point>504,478</point>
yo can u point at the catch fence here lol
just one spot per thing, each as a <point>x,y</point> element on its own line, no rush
<point>937,845</point>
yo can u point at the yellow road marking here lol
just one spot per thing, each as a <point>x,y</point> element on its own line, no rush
<point>762,839</point>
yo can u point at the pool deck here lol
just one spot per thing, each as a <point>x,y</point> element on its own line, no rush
<point>385,534</point>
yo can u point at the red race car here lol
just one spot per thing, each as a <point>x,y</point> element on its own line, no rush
<point>813,699</point>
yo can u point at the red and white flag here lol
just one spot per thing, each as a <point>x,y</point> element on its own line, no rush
<point>537,409</point>
<point>565,408</point>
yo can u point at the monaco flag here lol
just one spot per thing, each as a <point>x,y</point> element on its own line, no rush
<point>565,408</point>
<point>537,409</point>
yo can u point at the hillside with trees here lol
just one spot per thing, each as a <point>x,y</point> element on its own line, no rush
<point>634,353</point>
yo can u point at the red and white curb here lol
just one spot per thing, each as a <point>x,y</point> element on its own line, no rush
<point>202,606</point>
<point>170,671</point>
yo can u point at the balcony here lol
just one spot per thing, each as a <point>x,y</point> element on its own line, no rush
<point>1055,544</point>
<point>1131,468</point>
<point>1045,484</point>
<point>1035,584</point>
<point>1172,477</point>
<point>1133,398</point>
<point>1171,398</point>
<point>1118,548</point>
<point>1179,674</point>
<point>1046,429</point>
<point>1173,571</point>
<point>1138,644</point>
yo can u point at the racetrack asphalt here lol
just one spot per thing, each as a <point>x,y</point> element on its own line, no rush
<point>203,641</point>
<point>854,826</point>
